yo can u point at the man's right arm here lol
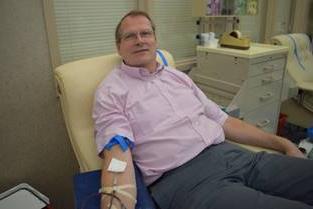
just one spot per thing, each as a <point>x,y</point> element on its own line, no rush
<point>109,179</point>
<point>110,120</point>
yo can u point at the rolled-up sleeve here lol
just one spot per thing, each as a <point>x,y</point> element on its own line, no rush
<point>109,117</point>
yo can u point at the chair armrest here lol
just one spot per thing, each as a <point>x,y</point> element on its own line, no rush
<point>254,148</point>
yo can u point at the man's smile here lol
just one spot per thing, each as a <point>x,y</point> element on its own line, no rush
<point>140,50</point>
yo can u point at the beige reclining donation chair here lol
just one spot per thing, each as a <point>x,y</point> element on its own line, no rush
<point>299,65</point>
<point>77,82</point>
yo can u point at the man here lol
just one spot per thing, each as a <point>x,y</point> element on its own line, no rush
<point>176,136</point>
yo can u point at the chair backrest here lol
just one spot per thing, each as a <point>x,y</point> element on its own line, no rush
<point>300,58</point>
<point>77,82</point>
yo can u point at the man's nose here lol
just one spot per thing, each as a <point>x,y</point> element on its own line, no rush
<point>138,37</point>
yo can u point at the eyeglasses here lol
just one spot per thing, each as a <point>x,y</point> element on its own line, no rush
<point>132,36</point>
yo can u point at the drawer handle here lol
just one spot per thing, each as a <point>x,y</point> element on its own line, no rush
<point>270,68</point>
<point>267,80</point>
<point>263,123</point>
<point>267,96</point>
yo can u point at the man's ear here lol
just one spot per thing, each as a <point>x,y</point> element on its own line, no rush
<point>118,48</point>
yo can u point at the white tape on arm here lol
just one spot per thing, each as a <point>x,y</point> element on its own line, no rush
<point>117,166</point>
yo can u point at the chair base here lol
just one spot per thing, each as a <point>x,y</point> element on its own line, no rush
<point>305,98</point>
<point>308,101</point>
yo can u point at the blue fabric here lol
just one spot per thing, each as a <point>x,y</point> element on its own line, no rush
<point>119,140</point>
<point>162,57</point>
<point>86,186</point>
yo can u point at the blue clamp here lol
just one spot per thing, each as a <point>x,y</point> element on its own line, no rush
<point>124,143</point>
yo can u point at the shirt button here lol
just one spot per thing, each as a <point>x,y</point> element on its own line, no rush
<point>197,123</point>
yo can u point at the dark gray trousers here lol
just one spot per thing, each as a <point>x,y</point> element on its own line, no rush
<point>226,176</point>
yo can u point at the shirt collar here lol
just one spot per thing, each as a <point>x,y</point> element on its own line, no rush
<point>140,72</point>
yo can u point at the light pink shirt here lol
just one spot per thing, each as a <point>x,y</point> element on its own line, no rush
<point>165,114</point>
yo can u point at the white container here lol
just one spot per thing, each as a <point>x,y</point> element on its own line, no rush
<point>204,39</point>
<point>208,40</point>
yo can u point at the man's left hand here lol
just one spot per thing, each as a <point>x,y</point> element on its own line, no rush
<point>294,152</point>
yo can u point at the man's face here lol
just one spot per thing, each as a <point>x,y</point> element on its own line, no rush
<point>137,45</point>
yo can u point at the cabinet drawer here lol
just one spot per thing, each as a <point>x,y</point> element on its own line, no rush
<point>214,83</point>
<point>264,117</point>
<point>265,79</point>
<point>261,95</point>
<point>219,97</point>
<point>267,67</point>
<point>220,67</point>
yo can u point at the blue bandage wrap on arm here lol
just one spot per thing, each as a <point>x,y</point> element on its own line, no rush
<point>122,141</point>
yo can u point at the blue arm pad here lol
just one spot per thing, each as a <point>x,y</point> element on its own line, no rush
<point>124,143</point>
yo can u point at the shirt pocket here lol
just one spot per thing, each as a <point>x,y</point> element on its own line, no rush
<point>185,100</point>
<point>147,114</point>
